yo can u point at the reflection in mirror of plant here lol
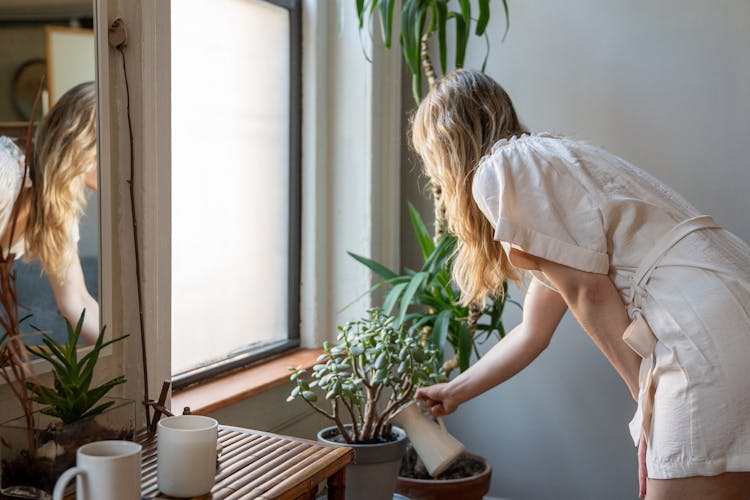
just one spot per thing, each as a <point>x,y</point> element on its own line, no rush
<point>427,302</point>
<point>376,358</point>
<point>72,398</point>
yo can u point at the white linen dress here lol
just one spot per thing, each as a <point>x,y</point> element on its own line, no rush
<point>11,182</point>
<point>580,206</point>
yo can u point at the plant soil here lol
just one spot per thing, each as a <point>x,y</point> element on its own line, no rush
<point>463,467</point>
<point>335,436</point>
<point>27,468</point>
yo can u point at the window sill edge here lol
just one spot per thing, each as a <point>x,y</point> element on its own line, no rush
<point>227,390</point>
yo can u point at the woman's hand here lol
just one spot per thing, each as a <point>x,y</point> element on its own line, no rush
<point>439,399</point>
<point>642,472</point>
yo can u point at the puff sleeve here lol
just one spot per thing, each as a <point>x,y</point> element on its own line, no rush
<point>526,190</point>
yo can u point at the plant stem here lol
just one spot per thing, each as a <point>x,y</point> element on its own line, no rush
<point>397,403</point>
<point>353,416</point>
<point>424,54</point>
<point>441,223</point>
<point>340,424</point>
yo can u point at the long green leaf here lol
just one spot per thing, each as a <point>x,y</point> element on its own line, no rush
<point>464,346</point>
<point>361,12</point>
<point>465,10</point>
<point>442,251</point>
<point>442,29</point>
<point>393,281</point>
<point>386,20</point>
<point>406,299</point>
<point>507,19</point>
<point>439,333</point>
<point>393,296</point>
<point>486,52</point>
<point>420,323</point>
<point>462,38</point>
<point>408,35</point>
<point>375,267</point>
<point>420,230</point>
<point>484,17</point>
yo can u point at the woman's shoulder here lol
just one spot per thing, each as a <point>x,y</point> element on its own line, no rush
<point>10,153</point>
<point>11,162</point>
<point>525,149</point>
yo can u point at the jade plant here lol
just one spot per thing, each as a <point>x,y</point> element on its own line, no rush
<point>372,371</point>
<point>72,398</point>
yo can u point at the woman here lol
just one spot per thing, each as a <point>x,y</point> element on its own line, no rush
<point>662,291</point>
<point>52,199</point>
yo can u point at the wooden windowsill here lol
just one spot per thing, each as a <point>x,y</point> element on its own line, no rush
<point>230,389</point>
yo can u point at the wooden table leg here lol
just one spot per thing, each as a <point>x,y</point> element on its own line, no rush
<point>337,485</point>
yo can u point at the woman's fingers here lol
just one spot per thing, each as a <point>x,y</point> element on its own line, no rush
<point>437,398</point>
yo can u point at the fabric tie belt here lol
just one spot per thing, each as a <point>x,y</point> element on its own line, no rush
<point>638,335</point>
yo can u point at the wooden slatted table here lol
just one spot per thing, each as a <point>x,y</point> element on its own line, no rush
<point>254,464</point>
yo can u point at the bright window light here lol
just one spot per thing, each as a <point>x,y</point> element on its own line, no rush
<point>230,178</point>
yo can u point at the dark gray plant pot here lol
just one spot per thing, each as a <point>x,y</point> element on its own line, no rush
<point>374,472</point>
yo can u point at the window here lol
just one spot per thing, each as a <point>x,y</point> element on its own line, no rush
<point>235,183</point>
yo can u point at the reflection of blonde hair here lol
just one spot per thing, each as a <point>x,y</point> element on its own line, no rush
<point>64,151</point>
<point>457,124</point>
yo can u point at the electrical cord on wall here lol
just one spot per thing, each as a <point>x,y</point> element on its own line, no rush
<point>117,36</point>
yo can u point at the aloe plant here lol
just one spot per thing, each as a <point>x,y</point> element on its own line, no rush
<point>424,20</point>
<point>427,302</point>
<point>72,398</point>
<point>372,372</point>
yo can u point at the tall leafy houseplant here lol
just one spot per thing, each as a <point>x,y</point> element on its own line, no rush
<point>428,304</point>
<point>426,298</point>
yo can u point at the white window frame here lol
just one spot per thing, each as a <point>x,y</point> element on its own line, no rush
<point>350,180</point>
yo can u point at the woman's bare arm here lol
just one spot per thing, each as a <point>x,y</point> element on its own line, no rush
<point>599,309</point>
<point>72,297</point>
<point>542,311</point>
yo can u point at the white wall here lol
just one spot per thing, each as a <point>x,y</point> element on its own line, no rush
<point>664,85</point>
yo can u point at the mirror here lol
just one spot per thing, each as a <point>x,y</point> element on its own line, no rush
<point>54,39</point>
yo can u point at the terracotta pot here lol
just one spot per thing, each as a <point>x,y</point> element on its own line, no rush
<point>470,488</point>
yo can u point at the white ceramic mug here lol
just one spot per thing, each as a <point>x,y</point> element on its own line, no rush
<point>186,455</point>
<point>432,442</point>
<point>104,469</point>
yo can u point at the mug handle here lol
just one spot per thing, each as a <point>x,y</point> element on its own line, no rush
<point>62,481</point>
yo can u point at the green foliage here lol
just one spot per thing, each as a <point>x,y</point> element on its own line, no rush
<point>375,358</point>
<point>72,398</point>
<point>427,298</point>
<point>425,19</point>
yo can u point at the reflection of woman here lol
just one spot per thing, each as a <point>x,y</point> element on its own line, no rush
<point>52,199</point>
<point>663,291</point>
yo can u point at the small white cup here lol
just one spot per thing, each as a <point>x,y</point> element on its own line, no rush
<point>186,455</point>
<point>104,469</point>
<point>432,442</point>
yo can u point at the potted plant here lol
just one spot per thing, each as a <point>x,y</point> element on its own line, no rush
<point>373,371</point>
<point>426,302</point>
<point>426,298</point>
<point>72,412</point>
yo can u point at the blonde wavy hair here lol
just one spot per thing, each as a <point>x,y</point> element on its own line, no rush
<point>64,152</point>
<point>453,128</point>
